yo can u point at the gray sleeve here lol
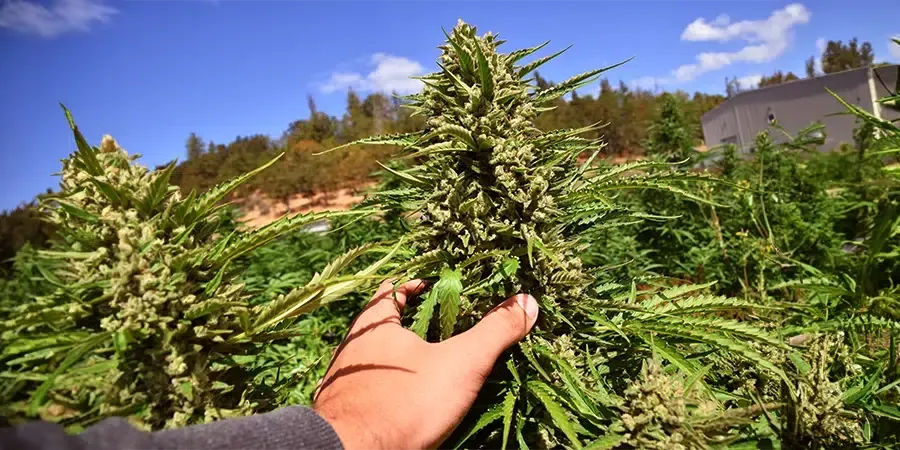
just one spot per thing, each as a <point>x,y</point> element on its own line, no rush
<point>293,427</point>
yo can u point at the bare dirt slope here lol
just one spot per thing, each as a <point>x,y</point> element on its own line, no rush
<point>260,210</point>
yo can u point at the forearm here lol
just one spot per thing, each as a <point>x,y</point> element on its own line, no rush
<point>293,427</point>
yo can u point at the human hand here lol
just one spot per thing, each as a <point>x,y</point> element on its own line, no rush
<point>387,388</point>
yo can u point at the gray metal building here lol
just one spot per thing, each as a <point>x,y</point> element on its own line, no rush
<point>797,104</point>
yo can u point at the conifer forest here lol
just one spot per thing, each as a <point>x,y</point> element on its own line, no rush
<point>691,298</point>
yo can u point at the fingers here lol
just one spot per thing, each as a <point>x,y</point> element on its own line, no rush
<point>406,290</point>
<point>387,303</point>
<point>382,309</point>
<point>505,325</point>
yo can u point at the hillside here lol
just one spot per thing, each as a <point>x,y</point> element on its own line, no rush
<point>259,210</point>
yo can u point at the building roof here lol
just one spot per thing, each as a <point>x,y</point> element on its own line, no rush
<point>799,80</point>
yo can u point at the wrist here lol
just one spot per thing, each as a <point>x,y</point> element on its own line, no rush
<point>353,433</point>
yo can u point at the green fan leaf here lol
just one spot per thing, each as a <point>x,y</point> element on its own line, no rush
<point>557,413</point>
<point>199,208</point>
<point>488,417</point>
<point>447,290</point>
<point>424,313</point>
<point>484,70</point>
<point>399,139</point>
<point>517,55</point>
<point>572,84</point>
<point>534,65</point>
<point>86,154</point>
<point>509,406</point>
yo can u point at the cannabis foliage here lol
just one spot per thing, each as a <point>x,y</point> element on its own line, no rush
<point>144,317</point>
<point>639,344</point>
<point>501,207</point>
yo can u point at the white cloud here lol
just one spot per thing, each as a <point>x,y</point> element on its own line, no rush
<point>62,16</point>
<point>767,39</point>
<point>389,73</point>
<point>894,48</point>
<point>820,48</point>
<point>750,81</point>
<point>773,28</point>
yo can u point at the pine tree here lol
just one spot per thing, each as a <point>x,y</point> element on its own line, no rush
<point>355,124</point>
<point>732,87</point>
<point>811,67</point>
<point>194,146</point>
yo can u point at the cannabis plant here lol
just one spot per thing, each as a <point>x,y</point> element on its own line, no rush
<point>669,136</point>
<point>500,207</point>
<point>145,318</point>
<point>846,395</point>
<point>866,287</point>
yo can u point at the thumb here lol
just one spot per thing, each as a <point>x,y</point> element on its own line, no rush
<point>505,325</point>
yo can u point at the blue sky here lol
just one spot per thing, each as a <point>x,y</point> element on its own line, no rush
<point>151,72</point>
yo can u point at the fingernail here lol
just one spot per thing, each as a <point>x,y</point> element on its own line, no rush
<point>528,303</point>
